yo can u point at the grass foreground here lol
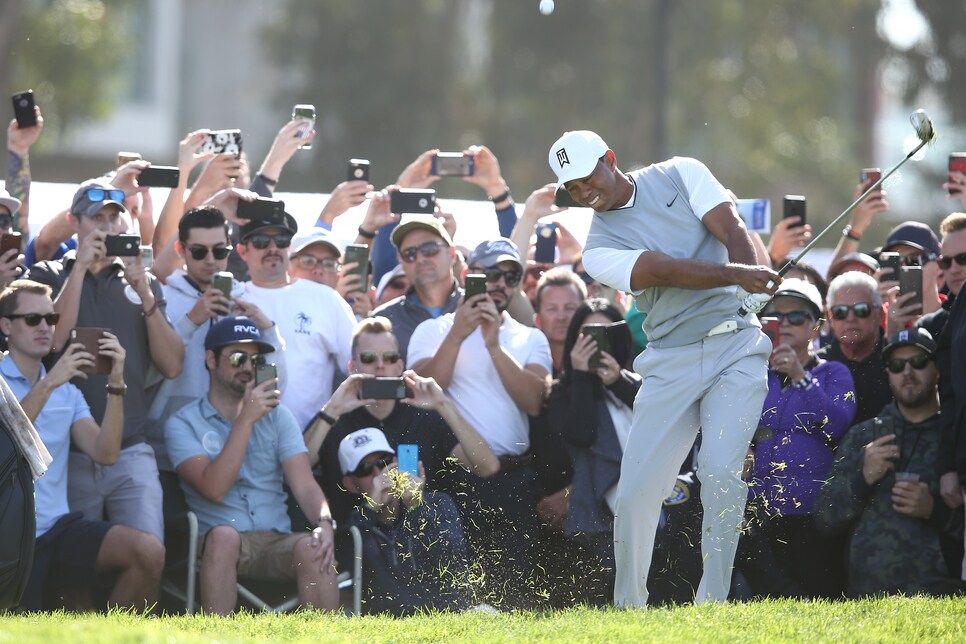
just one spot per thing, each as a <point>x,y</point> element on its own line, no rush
<point>891,619</point>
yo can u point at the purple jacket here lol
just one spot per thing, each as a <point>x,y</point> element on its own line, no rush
<point>797,433</point>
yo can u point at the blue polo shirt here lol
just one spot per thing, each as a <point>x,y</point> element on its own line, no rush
<point>256,501</point>
<point>65,407</point>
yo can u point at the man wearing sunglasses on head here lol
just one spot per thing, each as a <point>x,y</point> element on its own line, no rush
<point>428,418</point>
<point>314,322</point>
<point>497,371</point>
<point>93,289</point>
<point>883,490</point>
<point>855,315</point>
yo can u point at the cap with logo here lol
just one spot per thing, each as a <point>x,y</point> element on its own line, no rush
<point>10,203</point>
<point>84,206</point>
<point>915,234</point>
<point>277,219</point>
<point>493,251</point>
<point>914,337</point>
<point>802,290</point>
<point>315,235</point>
<point>360,444</point>
<point>410,223</point>
<point>575,155</point>
<point>235,329</point>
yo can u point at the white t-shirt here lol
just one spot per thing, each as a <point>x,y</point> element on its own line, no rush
<point>476,388</point>
<point>316,325</point>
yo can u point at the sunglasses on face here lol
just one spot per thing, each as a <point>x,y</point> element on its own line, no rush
<point>943,261</point>
<point>309,262</point>
<point>6,221</point>
<point>898,365</point>
<point>493,275</point>
<point>920,259</point>
<point>240,358</point>
<point>33,319</point>
<point>198,253</point>
<point>795,318</point>
<point>841,311</point>
<point>365,469</point>
<point>261,242</point>
<point>99,194</point>
<point>427,249</point>
<point>389,357</point>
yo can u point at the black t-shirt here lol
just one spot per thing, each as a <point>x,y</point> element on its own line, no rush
<point>872,392</point>
<point>406,424</point>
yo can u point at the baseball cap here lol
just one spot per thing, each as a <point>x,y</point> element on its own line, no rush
<point>235,329</point>
<point>12,203</point>
<point>360,444</point>
<point>426,222</point>
<point>273,220</point>
<point>87,207</point>
<point>913,233</point>
<point>914,337</point>
<point>493,251</point>
<point>852,258</point>
<point>575,155</point>
<point>389,277</point>
<point>315,235</point>
<point>802,290</point>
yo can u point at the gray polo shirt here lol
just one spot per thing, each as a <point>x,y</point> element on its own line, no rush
<point>406,313</point>
<point>108,301</point>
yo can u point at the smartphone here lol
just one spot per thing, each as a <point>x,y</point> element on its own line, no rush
<point>10,241</point>
<point>868,176</point>
<point>88,336</point>
<point>407,457</point>
<point>358,253</point>
<point>474,284</point>
<point>223,281</point>
<point>147,256</point>
<point>384,388</point>
<point>159,176</point>
<point>261,208</point>
<point>126,157</point>
<point>306,113</point>
<point>910,281</point>
<point>794,206</point>
<point>23,109</point>
<point>562,199</point>
<point>545,250</point>
<point>412,201</point>
<point>358,170</point>
<point>599,333</point>
<point>957,163</point>
<point>773,329</point>
<point>265,371</point>
<point>124,245</point>
<point>222,142</point>
<point>452,164</point>
<point>889,266</point>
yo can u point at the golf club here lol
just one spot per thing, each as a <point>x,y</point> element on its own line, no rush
<point>925,132</point>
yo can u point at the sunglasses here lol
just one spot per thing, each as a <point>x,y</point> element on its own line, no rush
<point>365,469</point>
<point>6,221</point>
<point>427,249</point>
<point>261,242</point>
<point>795,318</point>
<point>512,277</point>
<point>198,253</point>
<point>841,311</point>
<point>240,358</point>
<point>920,259</point>
<point>99,194</point>
<point>898,365</point>
<point>389,357</point>
<point>943,261</point>
<point>33,319</point>
<point>309,262</point>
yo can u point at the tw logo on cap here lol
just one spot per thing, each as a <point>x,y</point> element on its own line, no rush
<point>562,157</point>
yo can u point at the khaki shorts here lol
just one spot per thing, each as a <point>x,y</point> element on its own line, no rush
<point>265,553</point>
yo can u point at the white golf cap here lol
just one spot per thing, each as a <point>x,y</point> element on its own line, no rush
<point>360,444</point>
<point>11,203</point>
<point>315,235</point>
<point>575,155</point>
<point>802,290</point>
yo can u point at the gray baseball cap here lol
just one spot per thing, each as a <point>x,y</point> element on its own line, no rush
<point>493,251</point>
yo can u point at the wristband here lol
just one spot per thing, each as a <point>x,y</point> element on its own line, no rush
<point>117,391</point>
<point>270,182</point>
<point>150,311</point>
<point>324,416</point>
<point>365,233</point>
<point>805,382</point>
<point>848,234</point>
<point>500,197</point>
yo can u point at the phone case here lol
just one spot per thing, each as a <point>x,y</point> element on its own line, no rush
<point>159,176</point>
<point>772,328</point>
<point>870,174</point>
<point>261,208</point>
<point>23,109</point>
<point>358,253</point>
<point>599,333</point>
<point>384,388</point>
<point>474,284</point>
<point>122,245</point>
<point>358,170</point>
<point>223,141</point>
<point>957,163</point>
<point>10,241</point>
<point>889,266</point>
<point>265,372</point>
<point>910,281</point>
<point>407,456</point>
<point>223,281</point>
<point>88,336</point>
<point>794,206</point>
<point>412,201</point>
<point>545,250</point>
<point>452,164</point>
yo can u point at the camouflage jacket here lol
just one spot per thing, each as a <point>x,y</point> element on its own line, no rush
<point>889,552</point>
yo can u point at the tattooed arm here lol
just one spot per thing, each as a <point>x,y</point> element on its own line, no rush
<point>18,167</point>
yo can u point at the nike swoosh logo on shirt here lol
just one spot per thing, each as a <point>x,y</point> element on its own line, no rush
<point>671,203</point>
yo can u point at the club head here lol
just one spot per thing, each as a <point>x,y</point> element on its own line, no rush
<point>923,126</point>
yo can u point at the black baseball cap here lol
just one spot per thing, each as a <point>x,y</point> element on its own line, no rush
<point>235,329</point>
<point>914,337</point>
<point>280,219</point>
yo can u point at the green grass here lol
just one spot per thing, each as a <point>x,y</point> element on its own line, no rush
<point>891,619</point>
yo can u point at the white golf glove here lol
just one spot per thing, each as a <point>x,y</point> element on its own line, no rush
<point>752,302</point>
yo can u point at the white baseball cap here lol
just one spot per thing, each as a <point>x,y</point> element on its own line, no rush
<point>315,235</point>
<point>360,444</point>
<point>802,290</point>
<point>12,203</point>
<point>575,155</point>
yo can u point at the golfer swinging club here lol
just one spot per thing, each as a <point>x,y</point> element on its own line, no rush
<point>669,234</point>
